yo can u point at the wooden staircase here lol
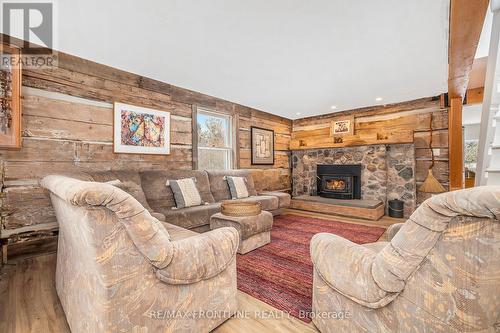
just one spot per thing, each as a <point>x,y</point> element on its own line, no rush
<point>493,171</point>
<point>488,161</point>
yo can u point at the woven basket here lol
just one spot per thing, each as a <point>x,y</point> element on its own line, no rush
<point>239,208</point>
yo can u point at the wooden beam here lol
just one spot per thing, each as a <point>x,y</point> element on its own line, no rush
<point>474,96</point>
<point>455,141</point>
<point>466,23</point>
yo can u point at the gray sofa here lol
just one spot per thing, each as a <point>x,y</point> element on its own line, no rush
<point>149,188</point>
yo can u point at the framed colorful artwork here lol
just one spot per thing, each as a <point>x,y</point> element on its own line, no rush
<point>139,130</point>
<point>10,97</point>
<point>262,144</point>
<point>342,126</point>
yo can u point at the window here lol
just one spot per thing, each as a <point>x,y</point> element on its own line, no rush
<point>214,140</point>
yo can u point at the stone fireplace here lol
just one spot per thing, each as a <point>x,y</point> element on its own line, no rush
<point>339,181</point>
<point>387,171</point>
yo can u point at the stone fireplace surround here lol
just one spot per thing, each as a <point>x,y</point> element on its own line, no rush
<point>387,171</point>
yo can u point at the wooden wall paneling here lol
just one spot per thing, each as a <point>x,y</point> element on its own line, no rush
<point>466,24</point>
<point>95,88</point>
<point>26,206</point>
<point>439,139</point>
<point>272,179</point>
<point>281,160</point>
<point>474,96</point>
<point>423,103</point>
<point>425,154</point>
<point>373,128</point>
<point>456,151</point>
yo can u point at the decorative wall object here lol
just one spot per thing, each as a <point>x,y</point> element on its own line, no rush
<point>342,126</point>
<point>139,130</point>
<point>10,98</point>
<point>262,141</point>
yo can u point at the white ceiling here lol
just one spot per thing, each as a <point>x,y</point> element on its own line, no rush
<point>293,58</point>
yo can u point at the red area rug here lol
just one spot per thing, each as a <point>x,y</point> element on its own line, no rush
<point>280,273</point>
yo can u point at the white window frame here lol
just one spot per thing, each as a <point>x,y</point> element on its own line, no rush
<point>229,135</point>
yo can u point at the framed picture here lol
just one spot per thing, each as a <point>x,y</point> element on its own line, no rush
<point>10,97</point>
<point>138,130</point>
<point>262,144</point>
<point>342,126</point>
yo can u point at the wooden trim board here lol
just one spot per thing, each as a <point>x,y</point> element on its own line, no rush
<point>372,214</point>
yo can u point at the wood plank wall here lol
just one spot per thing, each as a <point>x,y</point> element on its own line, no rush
<point>407,122</point>
<point>68,126</point>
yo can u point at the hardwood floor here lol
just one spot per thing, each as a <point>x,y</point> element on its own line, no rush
<point>29,303</point>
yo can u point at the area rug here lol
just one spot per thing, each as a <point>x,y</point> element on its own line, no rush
<point>280,273</point>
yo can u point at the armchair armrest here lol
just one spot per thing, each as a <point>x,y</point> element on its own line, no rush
<point>346,268</point>
<point>200,257</point>
<point>393,230</point>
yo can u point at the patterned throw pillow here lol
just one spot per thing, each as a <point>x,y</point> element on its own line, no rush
<point>185,192</point>
<point>237,187</point>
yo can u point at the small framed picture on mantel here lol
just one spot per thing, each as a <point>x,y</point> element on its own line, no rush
<point>262,144</point>
<point>342,126</point>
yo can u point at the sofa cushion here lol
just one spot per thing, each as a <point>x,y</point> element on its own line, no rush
<point>191,217</point>
<point>283,198</point>
<point>160,197</point>
<point>130,183</point>
<point>268,202</point>
<point>185,192</point>
<point>220,187</point>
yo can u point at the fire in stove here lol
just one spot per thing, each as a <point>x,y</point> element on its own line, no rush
<point>339,181</point>
<point>335,184</point>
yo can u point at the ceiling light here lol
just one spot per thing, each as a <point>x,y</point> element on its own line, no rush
<point>333,107</point>
<point>378,99</point>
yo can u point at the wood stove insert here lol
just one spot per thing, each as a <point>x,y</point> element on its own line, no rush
<point>339,181</point>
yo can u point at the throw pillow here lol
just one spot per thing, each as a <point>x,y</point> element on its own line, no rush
<point>237,187</point>
<point>185,192</point>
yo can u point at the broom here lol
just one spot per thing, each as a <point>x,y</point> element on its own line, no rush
<point>431,184</point>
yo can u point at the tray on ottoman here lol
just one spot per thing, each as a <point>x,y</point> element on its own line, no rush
<point>254,231</point>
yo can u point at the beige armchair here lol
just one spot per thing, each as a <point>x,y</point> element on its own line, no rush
<point>440,272</point>
<point>121,270</point>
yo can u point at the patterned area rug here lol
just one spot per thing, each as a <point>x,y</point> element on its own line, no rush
<point>280,273</point>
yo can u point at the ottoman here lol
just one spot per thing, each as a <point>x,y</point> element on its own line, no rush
<point>255,231</point>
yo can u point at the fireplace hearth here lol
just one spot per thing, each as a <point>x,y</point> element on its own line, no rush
<point>339,181</point>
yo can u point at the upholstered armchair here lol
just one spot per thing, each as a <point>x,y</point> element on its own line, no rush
<point>121,270</point>
<point>440,272</point>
